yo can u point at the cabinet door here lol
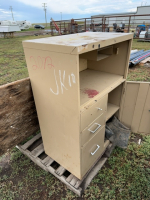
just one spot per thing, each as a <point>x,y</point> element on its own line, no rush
<point>135,107</point>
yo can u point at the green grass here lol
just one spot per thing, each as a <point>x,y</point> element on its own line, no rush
<point>12,60</point>
<point>125,176</point>
<point>30,29</point>
<point>33,29</point>
<point>139,73</point>
<point>140,45</point>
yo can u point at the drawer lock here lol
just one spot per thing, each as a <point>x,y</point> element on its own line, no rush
<point>98,126</point>
<point>92,153</point>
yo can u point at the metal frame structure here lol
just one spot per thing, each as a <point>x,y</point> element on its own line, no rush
<point>88,24</point>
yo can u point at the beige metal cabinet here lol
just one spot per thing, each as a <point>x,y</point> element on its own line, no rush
<point>78,83</point>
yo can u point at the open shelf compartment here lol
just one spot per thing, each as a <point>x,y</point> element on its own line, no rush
<point>98,54</point>
<point>111,110</point>
<point>96,83</point>
<point>114,101</point>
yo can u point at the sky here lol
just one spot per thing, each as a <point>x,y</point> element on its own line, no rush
<point>32,10</point>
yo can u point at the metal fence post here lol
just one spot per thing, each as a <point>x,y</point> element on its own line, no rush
<point>129,24</point>
<point>51,27</point>
<point>60,27</point>
<point>64,28</point>
<point>104,23</point>
<point>71,27</point>
<point>85,24</point>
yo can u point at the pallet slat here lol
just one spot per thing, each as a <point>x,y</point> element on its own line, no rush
<point>30,142</point>
<point>47,161</point>
<point>35,160</point>
<point>38,150</point>
<point>60,171</point>
<point>70,177</point>
<point>145,60</point>
<point>93,172</point>
<point>74,181</point>
<point>63,180</point>
<point>78,183</point>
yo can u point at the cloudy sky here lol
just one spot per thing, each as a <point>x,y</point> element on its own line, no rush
<point>32,10</point>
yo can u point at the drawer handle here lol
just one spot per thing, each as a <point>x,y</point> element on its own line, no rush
<point>92,153</point>
<point>98,126</point>
<point>99,108</point>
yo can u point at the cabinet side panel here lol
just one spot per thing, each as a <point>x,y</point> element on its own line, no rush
<point>145,118</point>
<point>55,83</point>
<point>140,102</point>
<point>135,108</point>
<point>128,103</point>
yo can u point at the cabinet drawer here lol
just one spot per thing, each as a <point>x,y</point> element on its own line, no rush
<point>93,129</point>
<point>88,116</point>
<point>92,150</point>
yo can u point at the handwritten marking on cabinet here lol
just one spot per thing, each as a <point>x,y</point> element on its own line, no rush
<point>41,62</point>
<point>62,77</point>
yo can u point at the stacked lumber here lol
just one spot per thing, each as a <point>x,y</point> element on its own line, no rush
<point>145,61</point>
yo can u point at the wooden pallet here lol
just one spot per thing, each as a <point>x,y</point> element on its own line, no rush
<point>34,149</point>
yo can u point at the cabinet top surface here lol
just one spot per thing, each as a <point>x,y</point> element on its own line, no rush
<point>77,43</point>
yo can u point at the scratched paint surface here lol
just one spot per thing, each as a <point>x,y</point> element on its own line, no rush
<point>91,93</point>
